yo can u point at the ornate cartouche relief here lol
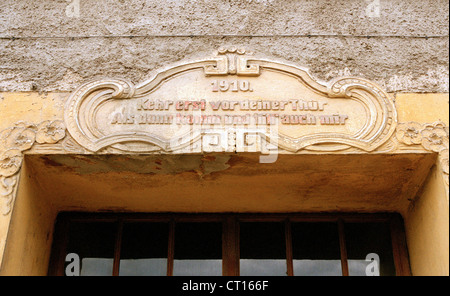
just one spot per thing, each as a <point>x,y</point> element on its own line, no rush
<point>231,102</point>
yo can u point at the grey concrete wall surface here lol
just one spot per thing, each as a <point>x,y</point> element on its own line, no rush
<point>55,45</point>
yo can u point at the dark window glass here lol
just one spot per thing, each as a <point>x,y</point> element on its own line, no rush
<point>115,245</point>
<point>198,249</point>
<point>315,249</point>
<point>262,249</point>
<point>144,249</point>
<point>94,244</point>
<point>366,242</point>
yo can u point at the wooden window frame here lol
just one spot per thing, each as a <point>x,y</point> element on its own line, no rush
<point>230,235</point>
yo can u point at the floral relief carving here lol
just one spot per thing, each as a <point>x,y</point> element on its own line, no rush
<point>21,137</point>
<point>10,162</point>
<point>432,136</point>
<point>7,191</point>
<point>435,137</point>
<point>50,132</point>
<point>13,142</point>
<point>409,133</point>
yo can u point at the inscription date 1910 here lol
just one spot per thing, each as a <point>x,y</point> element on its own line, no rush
<point>233,85</point>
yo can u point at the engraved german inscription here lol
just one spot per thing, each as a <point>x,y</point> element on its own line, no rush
<point>296,105</point>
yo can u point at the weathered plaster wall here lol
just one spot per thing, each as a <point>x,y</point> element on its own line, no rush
<point>31,232</point>
<point>427,229</point>
<point>51,46</point>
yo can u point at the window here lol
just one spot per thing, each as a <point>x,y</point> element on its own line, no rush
<point>229,244</point>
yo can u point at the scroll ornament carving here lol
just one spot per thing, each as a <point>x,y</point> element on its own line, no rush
<point>232,61</point>
<point>432,136</point>
<point>13,142</point>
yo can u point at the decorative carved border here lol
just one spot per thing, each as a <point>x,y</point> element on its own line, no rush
<point>14,141</point>
<point>431,136</point>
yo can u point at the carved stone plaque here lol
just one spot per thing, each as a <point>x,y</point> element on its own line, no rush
<point>231,102</point>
